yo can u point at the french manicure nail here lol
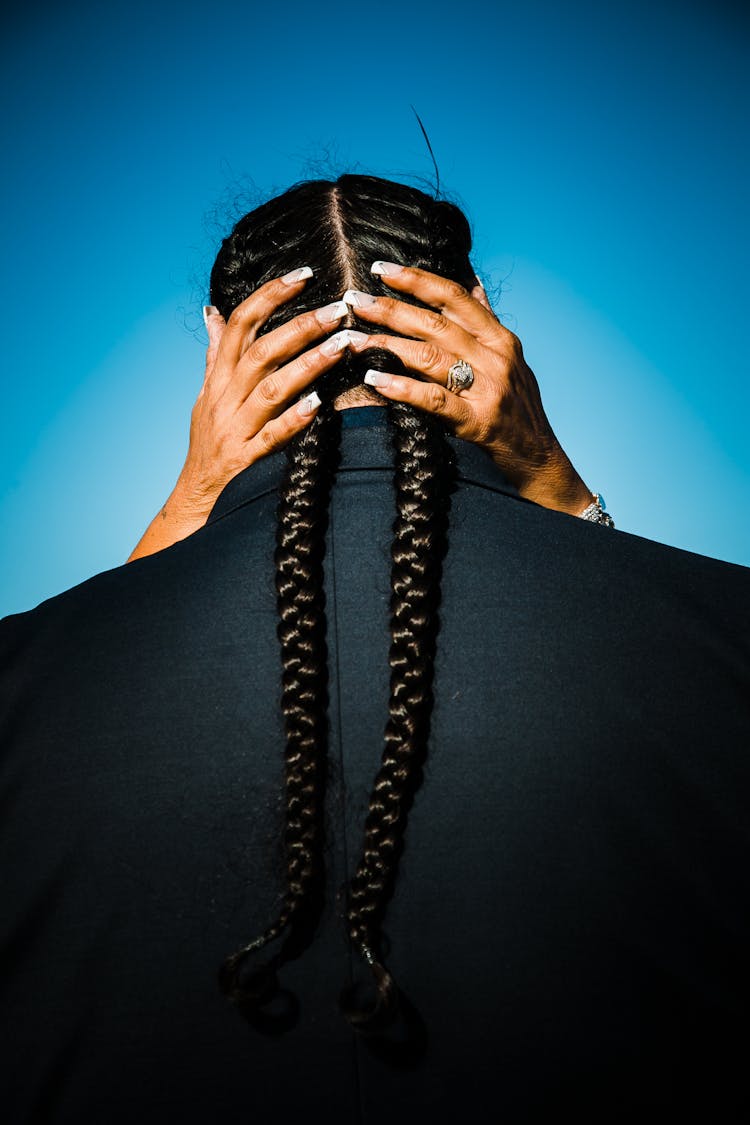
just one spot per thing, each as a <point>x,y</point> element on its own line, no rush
<point>329,314</point>
<point>378,378</point>
<point>294,276</point>
<point>342,340</point>
<point>386,269</point>
<point>209,310</point>
<point>309,403</point>
<point>357,339</point>
<point>335,343</point>
<point>357,299</point>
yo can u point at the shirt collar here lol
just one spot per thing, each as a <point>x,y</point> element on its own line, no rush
<point>365,446</point>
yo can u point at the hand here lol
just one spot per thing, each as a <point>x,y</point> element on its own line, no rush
<point>242,412</point>
<point>502,411</point>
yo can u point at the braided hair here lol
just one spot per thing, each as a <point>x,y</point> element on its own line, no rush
<point>338,228</point>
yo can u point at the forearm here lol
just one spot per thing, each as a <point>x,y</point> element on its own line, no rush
<point>558,486</point>
<point>544,474</point>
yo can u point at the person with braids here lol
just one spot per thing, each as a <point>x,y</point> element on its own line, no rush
<point>378,785</point>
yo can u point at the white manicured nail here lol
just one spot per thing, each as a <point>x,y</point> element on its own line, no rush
<point>209,310</point>
<point>357,339</point>
<point>294,276</point>
<point>329,314</point>
<point>335,343</point>
<point>378,378</point>
<point>309,404</point>
<point>358,299</point>
<point>386,269</point>
<point>342,340</point>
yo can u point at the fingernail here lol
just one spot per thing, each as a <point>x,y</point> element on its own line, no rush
<point>342,339</point>
<point>356,339</point>
<point>294,276</point>
<point>331,313</point>
<point>378,378</point>
<point>335,343</point>
<point>309,404</point>
<point>209,310</point>
<point>357,299</point>
<point>386,269</point>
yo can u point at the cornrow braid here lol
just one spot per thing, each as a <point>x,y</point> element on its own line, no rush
<point>422,482</point>
<point>300,548</point>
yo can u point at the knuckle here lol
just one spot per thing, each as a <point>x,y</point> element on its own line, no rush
<point>437,323</point>
<point>430,358</point>
<point>301,327</point>
<point>437,398</point>
<point>237,318</point>
<point>515,344</point>
<point>268,390</point>
<point>454,291</point>
<point>495,337</point>
<point>268,440</point>
<point>261,351</point>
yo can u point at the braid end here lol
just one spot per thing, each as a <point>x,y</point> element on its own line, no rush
<point>248,987</point>
<point>375,1016</point>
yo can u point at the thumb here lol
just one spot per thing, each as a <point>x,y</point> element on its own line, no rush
<point>215,325</point>
<point>479,294</point>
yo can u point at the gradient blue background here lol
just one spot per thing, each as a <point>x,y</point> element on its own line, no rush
<point>600,151</point>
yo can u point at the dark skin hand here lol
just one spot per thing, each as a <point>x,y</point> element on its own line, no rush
<point>247,406</point>
<point>502,410</point>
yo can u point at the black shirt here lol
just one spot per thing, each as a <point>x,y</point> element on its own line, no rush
<point>570,920</point>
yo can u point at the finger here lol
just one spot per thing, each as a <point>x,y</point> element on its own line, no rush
<point>272,394</point>
<point>411,320</point>
<point>430,397</point>
<point>278,432</point>
<point>447,296</point>
<point>275,349</point>
<point>252,313</point>
<point>422,356</point>
<point>479,293</point>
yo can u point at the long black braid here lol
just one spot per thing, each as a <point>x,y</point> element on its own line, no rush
<point>421,482</point>
<point>339,228</point>
<point>300,538</point>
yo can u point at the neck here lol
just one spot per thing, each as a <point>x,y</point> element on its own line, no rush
<point>357,396</point>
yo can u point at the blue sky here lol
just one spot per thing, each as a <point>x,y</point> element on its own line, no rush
<point>600,152</point>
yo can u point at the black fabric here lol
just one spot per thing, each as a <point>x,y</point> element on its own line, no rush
<point>570,920</point>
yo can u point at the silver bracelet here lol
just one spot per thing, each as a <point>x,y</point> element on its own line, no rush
<point>595,512</point>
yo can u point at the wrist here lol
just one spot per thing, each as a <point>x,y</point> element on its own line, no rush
<point>182,514</point>
<point>192,498</point>
<point>595,511</point>
<point>186,510</point>
<point>556,484</point>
